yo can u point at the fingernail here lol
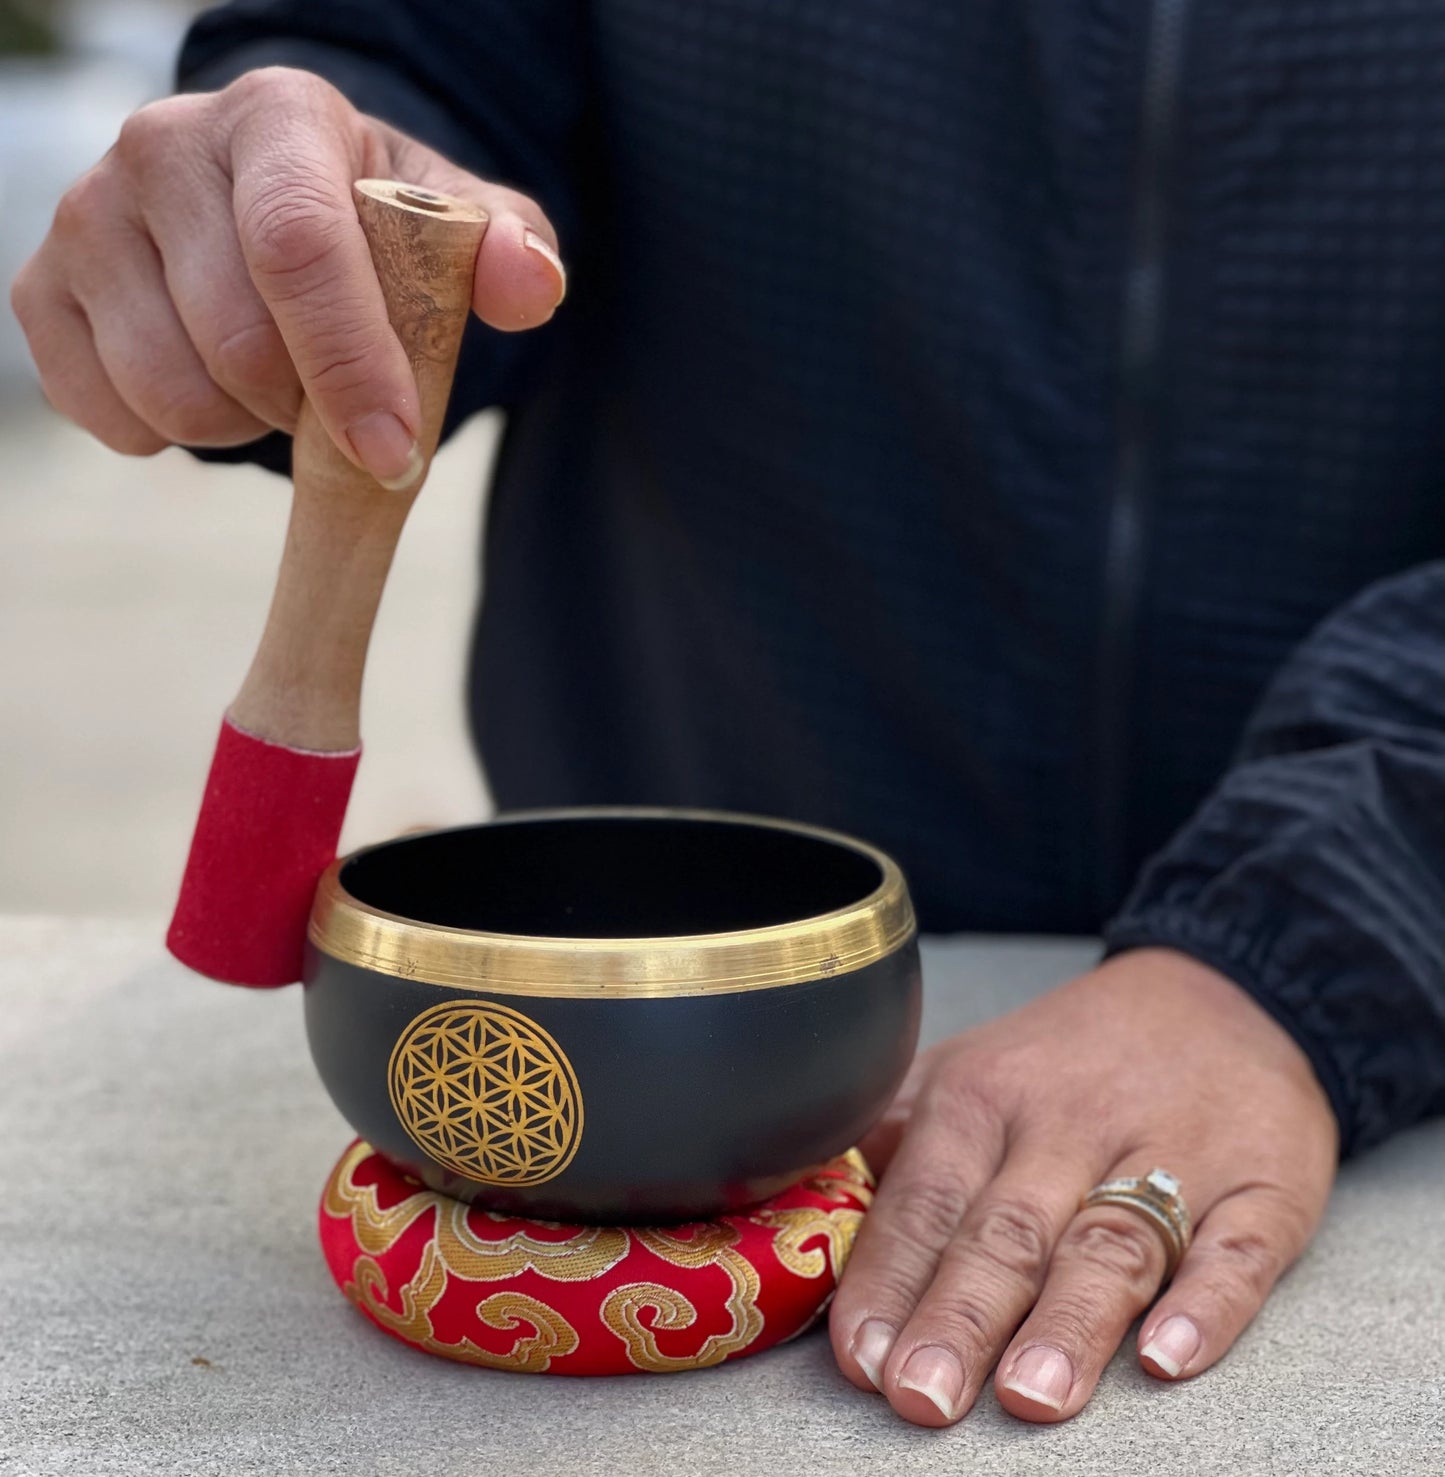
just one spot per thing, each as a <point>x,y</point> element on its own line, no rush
<point>1042,1375</point>
<point>1176,1341</point>
<point>386,449</point>
<point>533,242</point>
<point>935,1373</point>
<point>870,1347</point>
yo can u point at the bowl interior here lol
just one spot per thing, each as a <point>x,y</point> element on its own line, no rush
<point>612,876</point>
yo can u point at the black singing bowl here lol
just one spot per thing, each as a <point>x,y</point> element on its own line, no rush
<point>613,1015</point>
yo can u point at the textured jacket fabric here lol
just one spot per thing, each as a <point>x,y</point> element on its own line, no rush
<point>960,415</point>
<point>1314,870</point>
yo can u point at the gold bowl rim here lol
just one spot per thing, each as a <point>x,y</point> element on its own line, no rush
<point>799,951</point>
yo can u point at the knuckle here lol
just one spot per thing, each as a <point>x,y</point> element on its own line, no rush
<point>341,371</point>
<point>969,1325</point>
<point>960,1101</point>
<point>131,441</point>
<point>887,1286</point>
<point>149,136</point>
<point>88,199</point>
<point>1073,1323</point>
<point>290,234</point>
<point>1126,1249</point>
<point>888,1295</point>
<point>275,86</point>
<point>251,357</point>
<point>25,295</point>
<point>193,414</point>
<point>1014,1235</point>
<point>953,1095</point>
<point>924,1208</point>
<point>259,85</point>
<point>1242,1256</point>
<point>122,433</point>
<point>136,133</point>
<point>256,85</point>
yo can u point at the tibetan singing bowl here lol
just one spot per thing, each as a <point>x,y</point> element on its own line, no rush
<point>613,1015</point>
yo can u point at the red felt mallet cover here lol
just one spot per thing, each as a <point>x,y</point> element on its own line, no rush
<point>269,822</point>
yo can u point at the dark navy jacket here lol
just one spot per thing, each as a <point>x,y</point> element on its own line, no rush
<point>961,413</point>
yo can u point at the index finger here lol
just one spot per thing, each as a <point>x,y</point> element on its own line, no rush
<point>308,257</point>
<point>943,1162</point>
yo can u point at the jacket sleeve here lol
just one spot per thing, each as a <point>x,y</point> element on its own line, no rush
<point>497,86</point>
<point>1314,875</point>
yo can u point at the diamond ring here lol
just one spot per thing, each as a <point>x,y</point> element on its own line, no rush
<point>1157,1198</point>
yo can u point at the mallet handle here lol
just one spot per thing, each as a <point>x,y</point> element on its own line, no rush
<point>304,686</point>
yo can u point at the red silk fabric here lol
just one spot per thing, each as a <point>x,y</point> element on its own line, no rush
<point>534,1296</point>
<point>269,823</point>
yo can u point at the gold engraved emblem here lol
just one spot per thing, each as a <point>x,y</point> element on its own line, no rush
<point>487,1093</point>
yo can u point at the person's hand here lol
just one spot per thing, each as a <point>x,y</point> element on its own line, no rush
<point>976,1253</point>
<point>210,269</point>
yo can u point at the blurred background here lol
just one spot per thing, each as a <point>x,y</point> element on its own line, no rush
<point>133,591</point>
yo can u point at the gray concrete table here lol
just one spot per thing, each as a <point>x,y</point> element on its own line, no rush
<point>164,1142</point>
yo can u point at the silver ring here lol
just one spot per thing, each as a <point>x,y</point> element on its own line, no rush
<point>1155,1196</point>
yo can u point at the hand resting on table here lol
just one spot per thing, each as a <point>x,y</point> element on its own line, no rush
<point>976,1253</point>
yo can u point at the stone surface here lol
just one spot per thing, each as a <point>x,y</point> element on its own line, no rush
<point>164,1307</point>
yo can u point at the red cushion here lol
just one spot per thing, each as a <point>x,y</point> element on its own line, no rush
<point>508,1293</point>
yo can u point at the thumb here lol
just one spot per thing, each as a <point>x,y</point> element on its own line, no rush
<point>520,278</point>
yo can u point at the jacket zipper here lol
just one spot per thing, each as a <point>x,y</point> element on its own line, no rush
<point>1138,408</point>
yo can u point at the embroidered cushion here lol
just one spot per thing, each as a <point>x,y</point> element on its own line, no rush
<point>535,1296</point>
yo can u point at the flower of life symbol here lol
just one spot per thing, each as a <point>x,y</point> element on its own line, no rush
<point>488,1093</point>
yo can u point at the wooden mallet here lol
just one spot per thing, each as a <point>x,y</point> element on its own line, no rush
<point>278,787</point>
